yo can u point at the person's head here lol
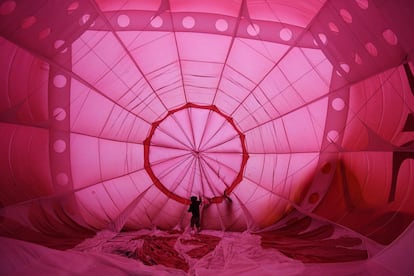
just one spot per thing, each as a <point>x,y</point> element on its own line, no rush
<point>193,198</point>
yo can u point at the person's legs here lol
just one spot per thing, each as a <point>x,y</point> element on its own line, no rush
<point>197,223</point>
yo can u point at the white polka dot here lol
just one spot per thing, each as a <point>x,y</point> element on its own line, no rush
<point>332,136</point>
<point>59,146</point>
<point>59,81</point>
<point>390,37</point>
<point>338,104</point>
<point>62,179</point>
<point>58,43</point>
<point>28,22</point>
<point>345,67</point>
<point>84,19</point>
<point>222,25</point>
<point>333,27</point>
<point>7,7</point>
<point>323,38</point>
<point>156,22</point>
<point>363,4</point>
<point>372,50</point>
<point>285,34</point>
<point>123,20</point>
<point>188,22</point>
<point>59,114</point>
<point>253,29</point>
<point>358,59</point>
<point>44,33</point>
<point>346,16</point>
<point>72,7</point>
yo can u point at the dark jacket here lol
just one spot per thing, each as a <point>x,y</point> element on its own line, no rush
<point>195,208</point>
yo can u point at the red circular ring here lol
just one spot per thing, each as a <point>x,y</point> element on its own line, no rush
<point>157,182</point>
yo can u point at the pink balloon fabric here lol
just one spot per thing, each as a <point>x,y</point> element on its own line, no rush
<point>114,113</point>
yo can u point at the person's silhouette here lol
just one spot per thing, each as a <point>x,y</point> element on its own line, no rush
<point>195,212</point>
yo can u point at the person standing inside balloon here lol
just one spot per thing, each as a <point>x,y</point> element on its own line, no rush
<point>195,212</point>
